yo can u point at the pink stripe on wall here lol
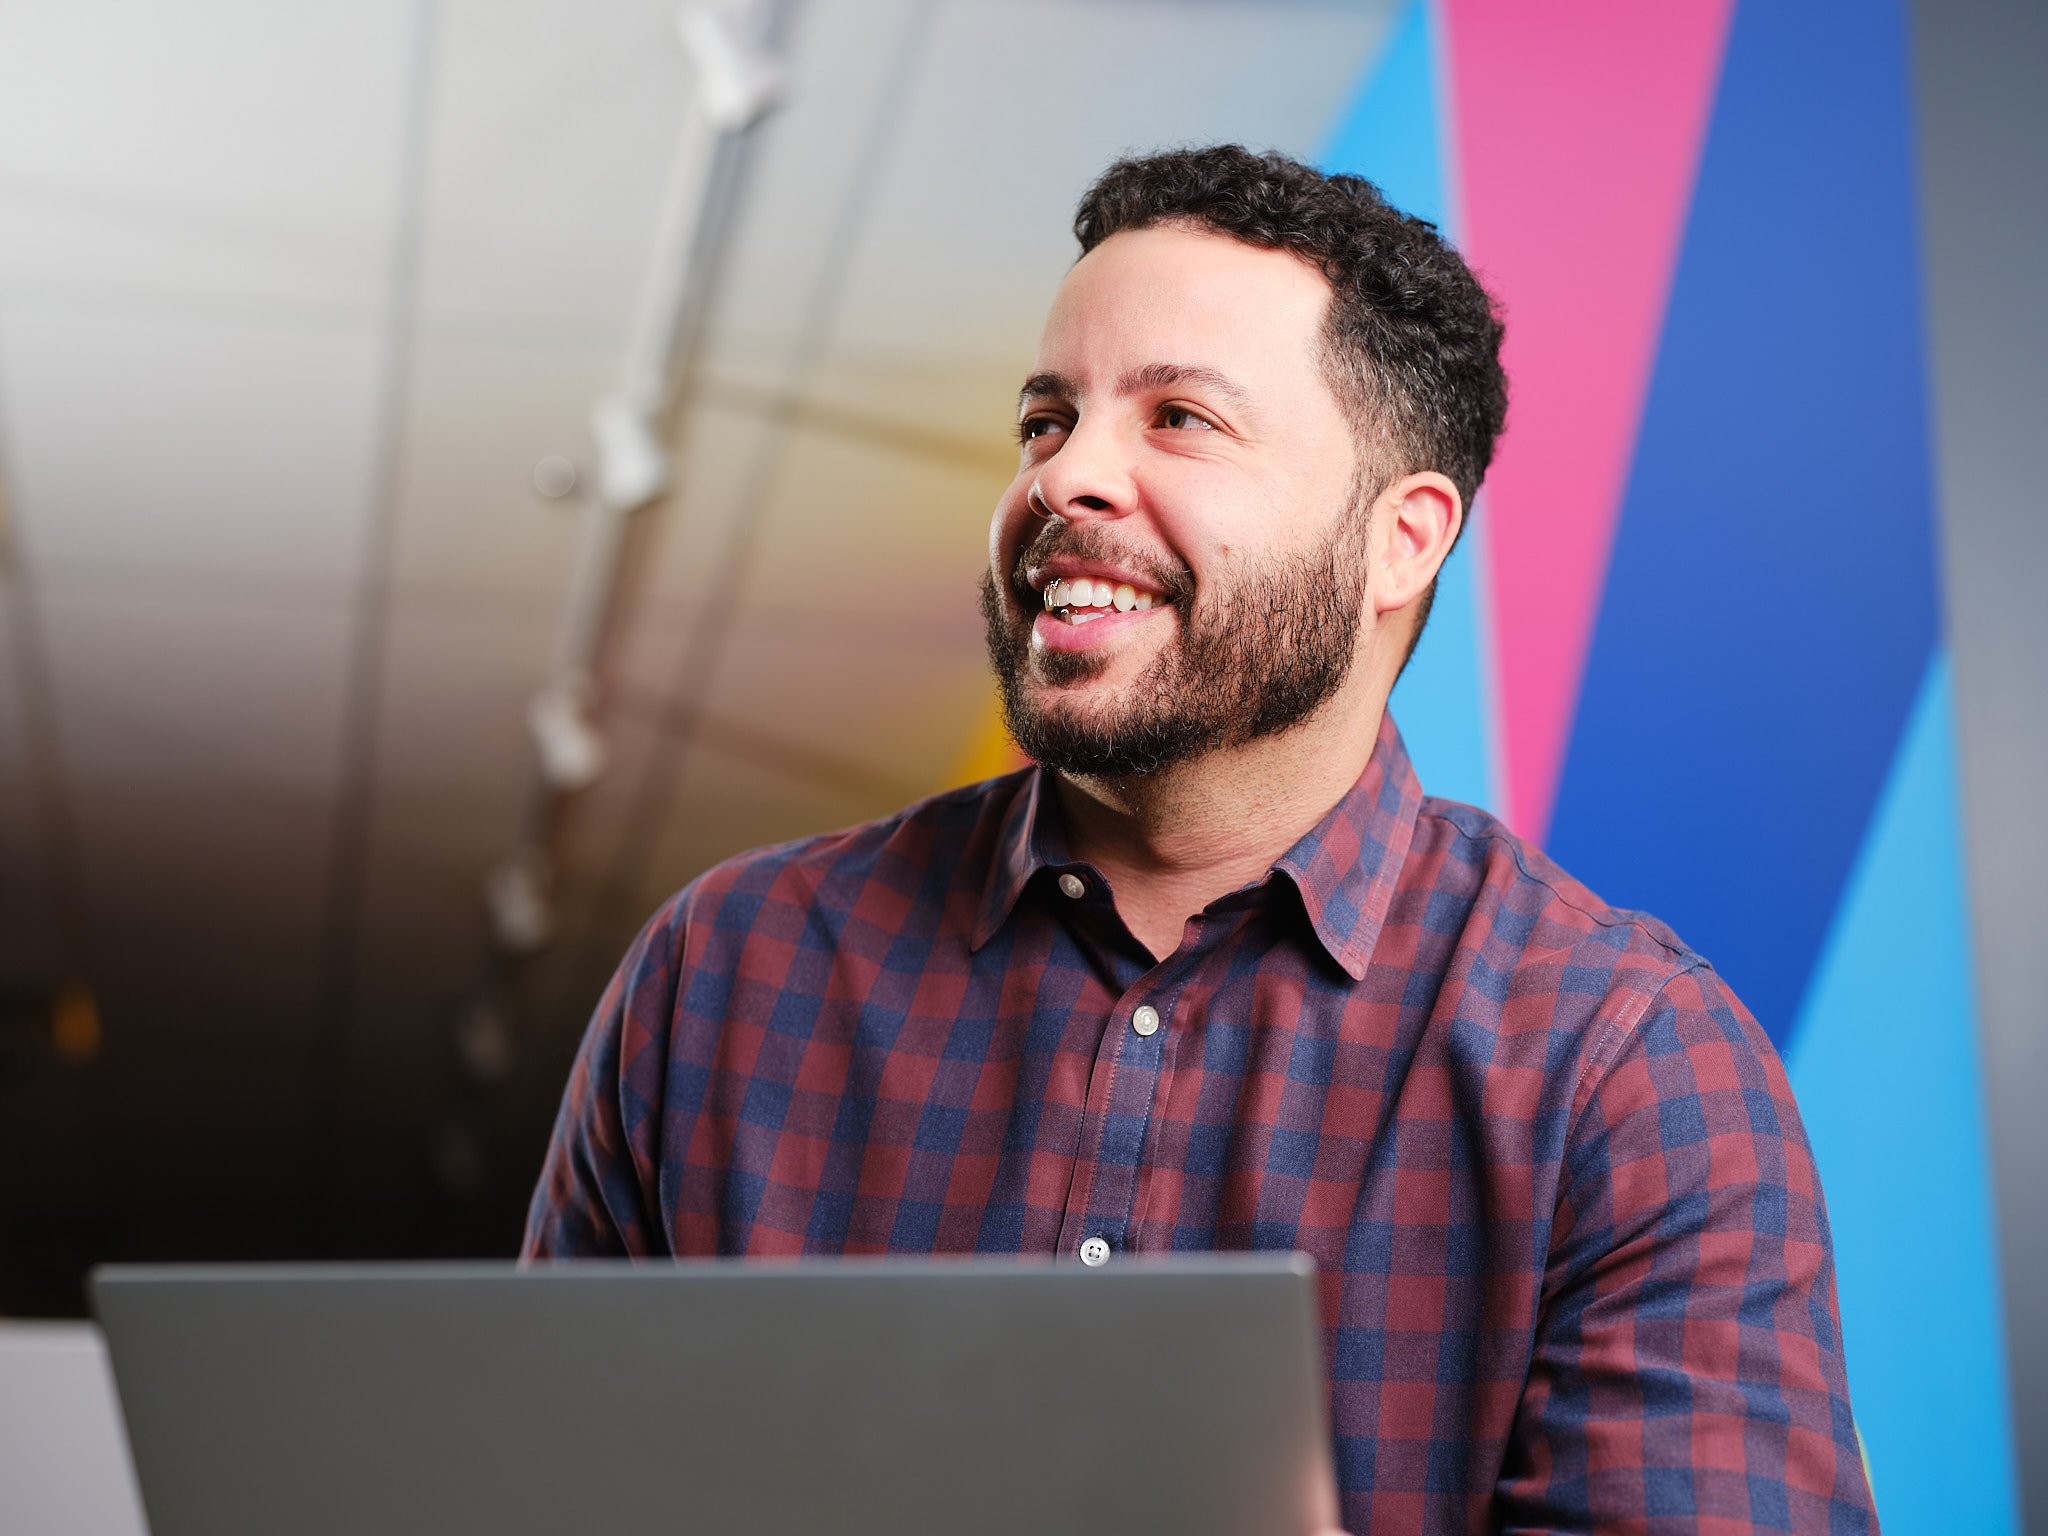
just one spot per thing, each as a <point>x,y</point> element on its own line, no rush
<point>1578,128</point>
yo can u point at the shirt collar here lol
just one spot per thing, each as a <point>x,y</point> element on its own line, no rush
<point>1032,838</point>
<point>1345,868</point>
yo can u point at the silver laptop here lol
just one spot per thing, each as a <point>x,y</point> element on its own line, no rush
<point>1176,1395</point>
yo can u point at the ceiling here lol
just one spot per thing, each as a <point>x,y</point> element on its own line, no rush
<point>292,301</point>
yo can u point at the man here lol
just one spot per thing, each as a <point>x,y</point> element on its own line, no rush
<point>1216,975</point>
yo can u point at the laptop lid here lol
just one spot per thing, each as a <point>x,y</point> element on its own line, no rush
<point>853,1396</point>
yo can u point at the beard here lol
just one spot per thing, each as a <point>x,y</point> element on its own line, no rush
<point>1257,652</point>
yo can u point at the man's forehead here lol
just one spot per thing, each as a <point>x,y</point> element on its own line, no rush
<point>1168,298</point>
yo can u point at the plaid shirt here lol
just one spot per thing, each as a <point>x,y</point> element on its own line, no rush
<point>1574,1262</point>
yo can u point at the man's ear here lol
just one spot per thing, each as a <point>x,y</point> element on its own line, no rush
<point>1419,517</point>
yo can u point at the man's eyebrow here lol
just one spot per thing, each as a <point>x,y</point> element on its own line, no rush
<point>1156,376</point>
<point>1139,381</point>
<point>1046,386</point>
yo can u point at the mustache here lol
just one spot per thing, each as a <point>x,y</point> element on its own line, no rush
<point>1087,541</point>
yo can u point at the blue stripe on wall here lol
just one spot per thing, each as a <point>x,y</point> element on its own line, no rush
<point>1394,136</point>
<point>1394,133</point>
<point>1771,604</point>
<point>1886,1067</point>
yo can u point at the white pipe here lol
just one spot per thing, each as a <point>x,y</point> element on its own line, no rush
<point>735,82</point>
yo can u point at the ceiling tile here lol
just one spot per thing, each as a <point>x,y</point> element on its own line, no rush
<point>422,932</point>
<point>725,804</point>
<point>857,533</point>
<point>425,951</point>
<point>650,657</point>
<point>852,636</point>
<point>479,415</point>
<point>214,151</point>
<point>884,714</point>
<point>952,410</point>
<point>611,834</point>
<point>453,707</point>
<point>1020,104</point>
<point>154,692</point>
<point>189,444</point>
<point>810,160</point>
<point>724,457</point>
<point>251,867</point>
<point>551,127</point>
<point>602,826</point>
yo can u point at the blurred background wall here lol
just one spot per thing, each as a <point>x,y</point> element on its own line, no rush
<point>303,310</point>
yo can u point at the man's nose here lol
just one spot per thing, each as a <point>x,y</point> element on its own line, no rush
<point>1089,478</point>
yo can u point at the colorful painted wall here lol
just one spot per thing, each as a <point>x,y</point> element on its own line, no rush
<point>1692,641</point>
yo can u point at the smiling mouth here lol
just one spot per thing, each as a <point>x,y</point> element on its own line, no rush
<point>1083,599</point>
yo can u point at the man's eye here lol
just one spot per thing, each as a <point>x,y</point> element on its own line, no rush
<point>1178,417</point>
<point>1033,427</point>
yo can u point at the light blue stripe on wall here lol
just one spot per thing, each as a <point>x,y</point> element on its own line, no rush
<point>1394,133</point>
<point>1394,136</point>
<point>1885,1063</point>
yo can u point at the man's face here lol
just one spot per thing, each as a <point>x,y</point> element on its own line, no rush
<point>1182,561</point>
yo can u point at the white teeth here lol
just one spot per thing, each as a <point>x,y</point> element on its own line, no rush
<point>1084,593</point>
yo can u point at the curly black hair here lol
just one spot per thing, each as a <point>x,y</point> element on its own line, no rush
<point>1411,344</point>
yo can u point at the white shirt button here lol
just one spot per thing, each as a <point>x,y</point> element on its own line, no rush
<point>1074,886</point>
<point>1146,1020</point>
<point>1095,1252</point>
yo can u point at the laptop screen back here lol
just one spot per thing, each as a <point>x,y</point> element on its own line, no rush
<point>846,1396</point>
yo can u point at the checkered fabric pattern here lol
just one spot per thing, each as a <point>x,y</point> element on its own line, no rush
<point>1575,1266</point>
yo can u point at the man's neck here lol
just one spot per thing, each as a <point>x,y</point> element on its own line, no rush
<point>1172,842</point>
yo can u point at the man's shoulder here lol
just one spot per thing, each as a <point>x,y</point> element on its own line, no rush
<point>931,849</point>
<point>1533,919</point>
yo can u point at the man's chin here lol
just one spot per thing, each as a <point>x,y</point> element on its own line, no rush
<point>1067,678</point>
<point>1087,731</point>
<point>1084,746</point>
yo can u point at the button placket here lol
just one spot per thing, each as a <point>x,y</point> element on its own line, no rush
<point>1124,1088</point>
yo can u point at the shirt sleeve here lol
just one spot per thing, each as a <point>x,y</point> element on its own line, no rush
<point>1688,1372</point>
<point>597,1192</point>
